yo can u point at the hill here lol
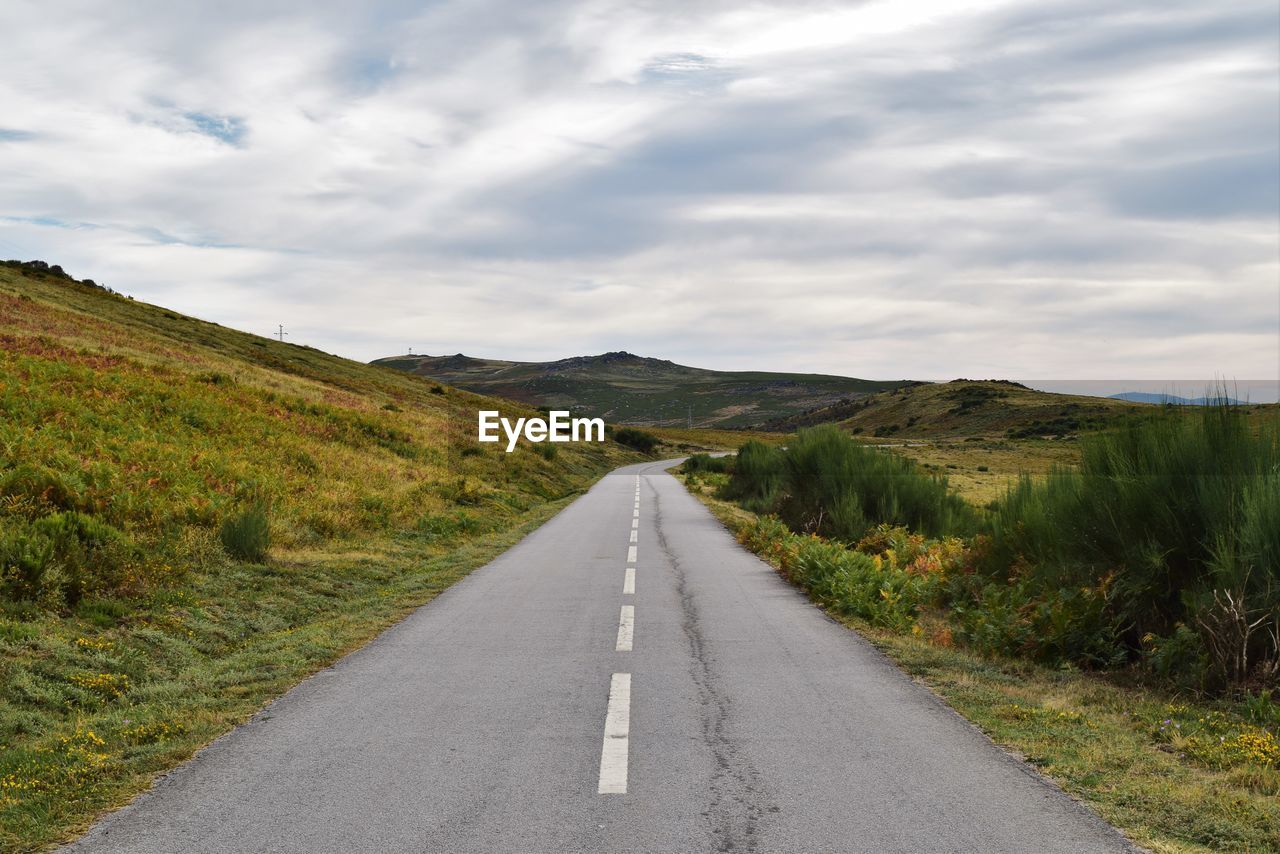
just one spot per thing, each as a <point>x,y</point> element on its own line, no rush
<point>963,408</point>
<point>140,450</point>
<point>629,389</point>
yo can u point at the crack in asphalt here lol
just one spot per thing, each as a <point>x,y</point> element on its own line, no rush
<point>733,811</point>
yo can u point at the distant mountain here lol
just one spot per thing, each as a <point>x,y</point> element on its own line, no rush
<point>1151,397</point>
<point>963,408</point>
<point>628,389</point>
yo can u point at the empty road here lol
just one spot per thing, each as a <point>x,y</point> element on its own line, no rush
<point>626,679</point>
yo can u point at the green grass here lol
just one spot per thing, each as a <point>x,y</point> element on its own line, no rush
<point>1175,772</point>
<point>144,607</point>
<point>139,685</point>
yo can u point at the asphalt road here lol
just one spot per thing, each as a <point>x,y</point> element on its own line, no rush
<point>539,706</point>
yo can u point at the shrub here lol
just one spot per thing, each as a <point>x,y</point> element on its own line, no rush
<point>837,487</point>
<point>757,477</point>
<point>247,534</point>
<point>633,438</point>
<point>708,463</point>
<point>1179,658</point>
<point>876,588</point>
<point>43,485</point>
<point>58,559</point>
<point>1174,520</point>
<point>24,561</point>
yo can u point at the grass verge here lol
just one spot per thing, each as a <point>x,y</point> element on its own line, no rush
<point>195,663</point>
<point>1135,755</point>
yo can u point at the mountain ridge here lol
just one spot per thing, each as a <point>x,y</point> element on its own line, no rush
<point>627,388</point>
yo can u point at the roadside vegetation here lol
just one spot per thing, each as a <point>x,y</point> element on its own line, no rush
<point>1117,622</point>
<point>192,519</point>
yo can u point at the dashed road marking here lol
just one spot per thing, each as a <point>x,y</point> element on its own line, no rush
<point>635,522</point>
<point>617,728</point>
<point>633,535</point>
<point>629,581</point>
<point>626,628</point>
<point>631,554</point>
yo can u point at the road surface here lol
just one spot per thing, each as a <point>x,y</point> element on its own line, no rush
<point>626,679</point>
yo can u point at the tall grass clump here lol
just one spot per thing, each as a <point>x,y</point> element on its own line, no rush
<point>1172,527</point>
<point>247,535</point>
<point>757,477</point>
<point>708,463</point>
<point>826,483</point>
<point>841,488</point>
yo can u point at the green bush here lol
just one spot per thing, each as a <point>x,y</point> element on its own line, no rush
<point>24,563</point>
<point>43,485</point>
<point>877,588</point>
<point>633,438</point>
<point>837,487</point>
<point>1168,521</point>
<point>708,463</point>
<point>247,535</point>
<point>826,483</point>
<point>60,558</point>
<point>757,477</point>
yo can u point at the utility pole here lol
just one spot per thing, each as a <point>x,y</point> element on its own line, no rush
<point>280,333</point>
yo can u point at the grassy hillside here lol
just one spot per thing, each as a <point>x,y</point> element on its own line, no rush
<point>629,389</point>
<point>137,447</point>
<point>962,408</point>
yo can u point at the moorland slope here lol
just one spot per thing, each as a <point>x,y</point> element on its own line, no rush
<point>144,610</point>
<point>629,389</point>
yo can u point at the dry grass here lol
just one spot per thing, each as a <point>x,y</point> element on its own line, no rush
<point>982,471</point>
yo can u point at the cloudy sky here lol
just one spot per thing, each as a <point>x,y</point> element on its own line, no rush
<point>1077,190</point>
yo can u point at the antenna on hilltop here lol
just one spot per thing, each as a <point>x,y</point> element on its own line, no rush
<point>410,351</point>
<point>280,333</point>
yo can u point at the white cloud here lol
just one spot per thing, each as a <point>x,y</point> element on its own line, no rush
<point>877,189</point>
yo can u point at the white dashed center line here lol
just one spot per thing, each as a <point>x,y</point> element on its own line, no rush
<point>633,535</point>
<point>631,554</point>
<point>629,581</point>
<point>617,726</point>
<point>626,628</point>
